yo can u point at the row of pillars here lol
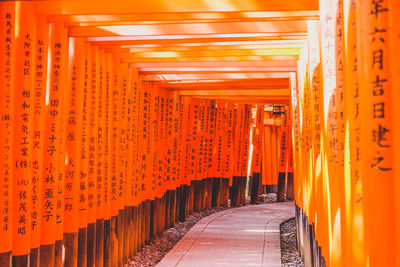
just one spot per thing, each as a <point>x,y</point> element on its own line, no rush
<point>346,135</point>
<point>96,161</point>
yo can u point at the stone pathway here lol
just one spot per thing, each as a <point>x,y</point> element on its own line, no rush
<point>245,236</point>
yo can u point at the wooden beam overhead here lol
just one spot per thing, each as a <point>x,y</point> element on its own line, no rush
<point>277,93</point>
<point>258,101</point>
<point>213,53</point>
<point>174,17</point>
<point>248,100</point>
<point>177,21</point>
<point>215,76</point>
<point>90,7</point>
<point>201,49</point>
<point>216,64</point>
<point>112,41</point>
<point>155,71</point>
<point>268,28</point>
<point>133,59</point>
<point>282,83</point>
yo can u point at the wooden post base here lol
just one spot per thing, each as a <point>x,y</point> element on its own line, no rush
<point>120,236</point>
<point>20,261</point>
<point>235,192</point>
<point>178,203</point>
<point>132,232</point>
<point>58,251</point>
<point>34,259</point>
<point>6,259</point>
<point>126,234</point>
<point>107,243</point>
<point>71,249</point>
<point>216,192</point>
<point>209,182</point>
<point>255,189</point>
<point>145,222</point>
<point>152,219</point>
<point>82,247</point>
<point>290,188</point>
<point>196,196</point>
<point>47,253</point>
<point>281,187</point>
<point>171,208</point>
<point>242,182</point>
<point>203,195</point>
<point>135,231</point>
<point>114,241</point>
<point>99,246</point>
<point>91,244</point>
<point>224,197</point>
<point>183,203</point>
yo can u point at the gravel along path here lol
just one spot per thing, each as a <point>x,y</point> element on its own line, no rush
<point>290,255</point>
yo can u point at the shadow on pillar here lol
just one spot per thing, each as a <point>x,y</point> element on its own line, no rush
<point>307,245</point>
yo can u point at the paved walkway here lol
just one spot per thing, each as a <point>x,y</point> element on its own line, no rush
<point>246,236</point>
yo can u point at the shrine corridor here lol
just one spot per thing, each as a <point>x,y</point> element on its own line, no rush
<point>246,236</point>
<point>119,118</point>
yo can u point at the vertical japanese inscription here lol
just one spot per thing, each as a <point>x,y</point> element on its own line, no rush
<point>95,185</point>
<point>379,61</point>
<point>83,154</point>
<point>113,140</point>
<point>52,130</point>
<point>22,134</point>
<point>106,147</point>
<point>39,98</point>
<point>90,175</point>
<point>78,81</point>
<point>7,43</point>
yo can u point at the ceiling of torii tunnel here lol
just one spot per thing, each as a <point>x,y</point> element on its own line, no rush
<point>244,51</point>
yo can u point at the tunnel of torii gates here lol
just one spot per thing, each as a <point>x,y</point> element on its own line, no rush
<point>119,118</point>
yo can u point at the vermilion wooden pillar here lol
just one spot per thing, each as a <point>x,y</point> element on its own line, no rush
<point>245,159</point>
<point>217,151</point>
<point>60,204</point>
<point>394,7</point>
<point>107,113</point>
<point>97,184</point>
<point>184,150</point>
<point>74,107</point>
<point>40,65</point>
<point>94,171</point>
<point>7,68</point>
<point>283,157</point>
<point>210,176</point>
<point>257,155</point>
<point>376,92</point>
<point>331,252</point>
<point>355,238</point>
<point>23,122</point>
<point>83,60</point>
<point>57,70</point>
<point>113,161</point>
<point>238,151</point>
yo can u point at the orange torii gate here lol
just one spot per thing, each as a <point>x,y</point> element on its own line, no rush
<point>117,120</point>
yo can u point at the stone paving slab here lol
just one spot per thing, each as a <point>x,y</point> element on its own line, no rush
<point>245,236</point>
